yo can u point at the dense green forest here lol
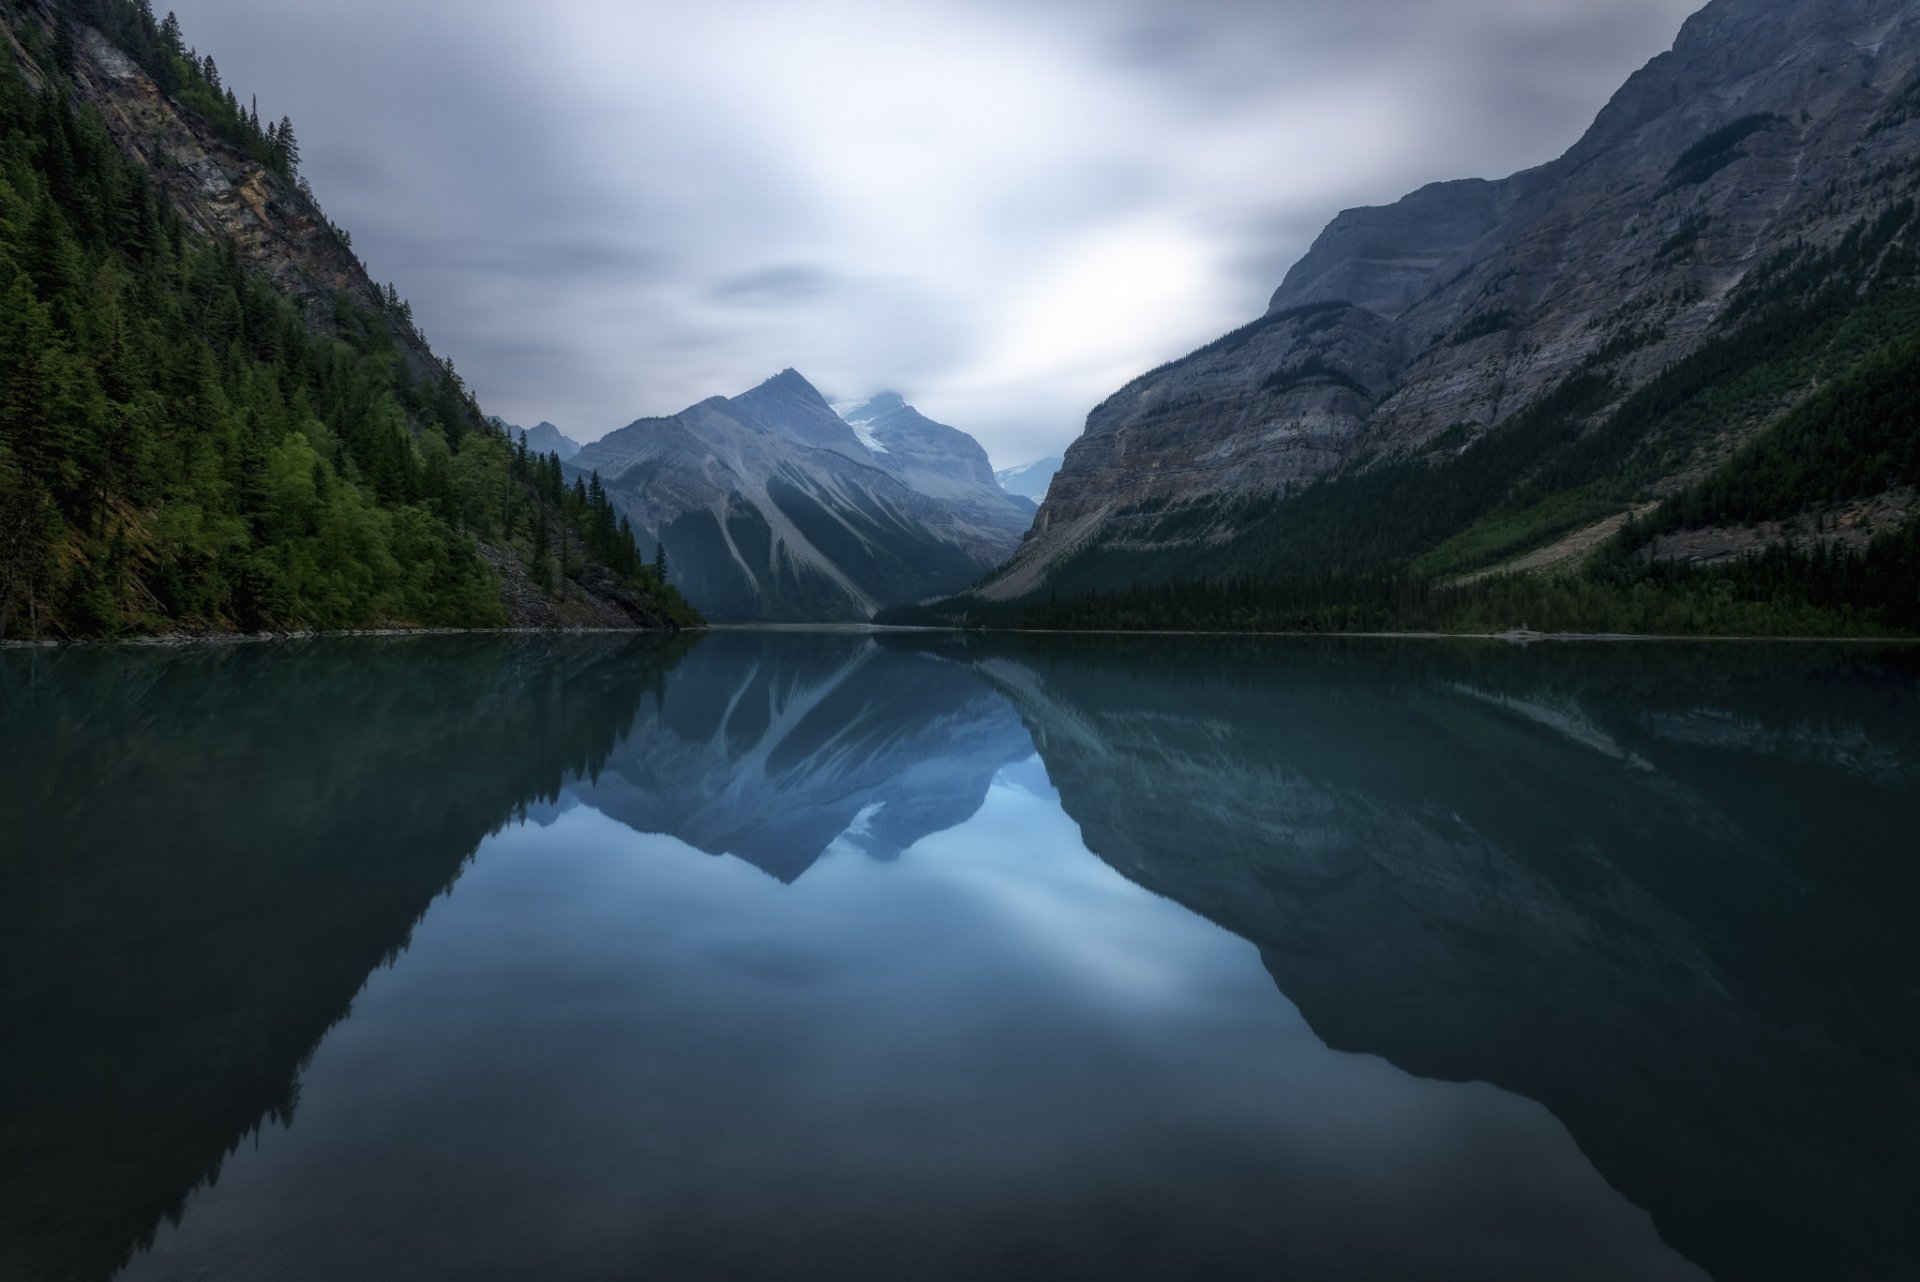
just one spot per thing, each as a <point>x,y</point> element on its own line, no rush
<point>1415,540</point>
<point>181,448</point>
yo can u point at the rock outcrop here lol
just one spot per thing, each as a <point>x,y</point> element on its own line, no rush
<point>277,228</point>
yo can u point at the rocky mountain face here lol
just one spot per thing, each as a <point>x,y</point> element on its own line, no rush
<point>1413,331</point>
<point>940,461</point>
<point>277,227</point>
<point>1550,871</point>
<point>772,506</point>
<point>1030,480</point>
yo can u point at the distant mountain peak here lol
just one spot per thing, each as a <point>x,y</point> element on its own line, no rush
<point>1029,480</point>
<point>771,504</point>
<point>543,438</point>
<point>791,382</point>
<point>884,403</point>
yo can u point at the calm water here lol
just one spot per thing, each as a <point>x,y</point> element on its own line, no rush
<point>821,956</point>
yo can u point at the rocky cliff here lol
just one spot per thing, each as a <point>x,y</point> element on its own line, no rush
<point>1417,329</point>
<point>276,226</point>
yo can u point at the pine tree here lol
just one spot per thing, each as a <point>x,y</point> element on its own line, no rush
<point>660,562</point>
<point>64,54</point>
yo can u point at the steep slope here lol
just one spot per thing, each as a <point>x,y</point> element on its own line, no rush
<point>770,506</point>
<point>1485,342</point>
<point>211,418</point>
<point>1030,480</point>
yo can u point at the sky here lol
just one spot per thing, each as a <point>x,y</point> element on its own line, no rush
<point>1002,209</point>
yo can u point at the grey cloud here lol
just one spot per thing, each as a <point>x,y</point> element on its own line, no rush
<point>526,256</point>
<point>782,286</point>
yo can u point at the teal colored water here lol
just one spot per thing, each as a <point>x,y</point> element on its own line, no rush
<point>825,955</point>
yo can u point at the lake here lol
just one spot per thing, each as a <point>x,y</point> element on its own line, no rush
<point>832,955</point>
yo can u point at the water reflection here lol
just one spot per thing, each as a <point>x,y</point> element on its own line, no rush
<point>907,1024</point>
<point>203,853</point>
<point>771,748</point>
<point>1666,891</point>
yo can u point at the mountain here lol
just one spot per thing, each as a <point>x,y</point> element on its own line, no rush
<point>211,418</point>
<point>1690,337</point>
<point>772,506</point>
<point>1030,480</point>
<point>543,439</point>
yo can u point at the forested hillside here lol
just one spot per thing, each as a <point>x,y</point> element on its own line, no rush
<point>184,446</point>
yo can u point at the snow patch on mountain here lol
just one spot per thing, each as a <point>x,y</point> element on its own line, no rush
<point>862,427</point>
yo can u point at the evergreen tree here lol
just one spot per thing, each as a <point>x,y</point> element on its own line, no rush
<point>288,148</point>
<point>65,55</point>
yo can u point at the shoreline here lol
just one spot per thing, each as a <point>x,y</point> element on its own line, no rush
<point>1516,636</point>
<point>166,640</point>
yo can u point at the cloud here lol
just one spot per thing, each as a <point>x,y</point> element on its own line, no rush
<point>782,286</point>
<point>1004,208</point>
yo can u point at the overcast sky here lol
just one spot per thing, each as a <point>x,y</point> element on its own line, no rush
<point>1003,209</point>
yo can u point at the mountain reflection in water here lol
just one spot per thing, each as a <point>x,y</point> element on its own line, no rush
<point>787,955</point>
